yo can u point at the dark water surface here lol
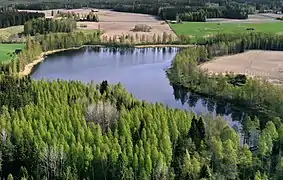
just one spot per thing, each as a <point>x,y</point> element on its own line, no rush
<point>140,70</point>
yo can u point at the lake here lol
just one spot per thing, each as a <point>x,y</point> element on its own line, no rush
<point>140,70</point>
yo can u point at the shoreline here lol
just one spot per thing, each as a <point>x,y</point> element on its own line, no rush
<point>162,45</point>
<point>28,68</point>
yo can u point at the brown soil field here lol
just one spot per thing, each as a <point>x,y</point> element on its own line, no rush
<point>263,64</point>
<point>119,23</point>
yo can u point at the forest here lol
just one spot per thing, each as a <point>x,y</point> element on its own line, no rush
<point>71,130</point>
<point>43,26</point>
<point>13,17</point>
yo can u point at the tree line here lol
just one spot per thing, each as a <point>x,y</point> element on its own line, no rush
<point>71,130</point>
<point>192,16</point>
<point>77,16</point>
<point>201,13</point>
<point>236,9</point>
<point>143,6</point>
<point>13,17</point>
<point>43,26</point>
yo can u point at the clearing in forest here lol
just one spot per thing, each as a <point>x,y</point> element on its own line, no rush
<point>7,50</point>
<point>198,29</point>
<point>256,63</point>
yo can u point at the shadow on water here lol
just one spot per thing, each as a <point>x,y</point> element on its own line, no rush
<point>220,108</point>
<point>235,115</point>
<point>204,105</point>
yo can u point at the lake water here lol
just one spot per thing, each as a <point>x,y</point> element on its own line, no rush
<point>140,70</point>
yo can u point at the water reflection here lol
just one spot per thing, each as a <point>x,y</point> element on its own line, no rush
<point>140,70</point>
<point>205,105</point>
<point>222,108</point>
<point>236,116</point>
<point>127,50</point>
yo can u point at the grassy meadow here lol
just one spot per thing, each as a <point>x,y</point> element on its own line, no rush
<point>7,49</point>
<point>198,29</point>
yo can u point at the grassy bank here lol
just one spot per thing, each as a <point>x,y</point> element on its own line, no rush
<point>198,29</point>
<point>6,51</point>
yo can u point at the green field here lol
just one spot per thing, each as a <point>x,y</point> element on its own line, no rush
<point>7,49</point>
<point>198,29</point>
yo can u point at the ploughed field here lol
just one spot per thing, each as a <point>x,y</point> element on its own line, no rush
<point>7,50</point>
<point>256,63</point>
<point>119,23</point>
<point>266,24</point>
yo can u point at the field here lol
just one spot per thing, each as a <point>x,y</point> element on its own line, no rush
<point>265,64</point>
<point>7,49</point>
<point>254,18</point>
<point>198,29</point>
<point>118,23</point>
<point>6,33</point>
